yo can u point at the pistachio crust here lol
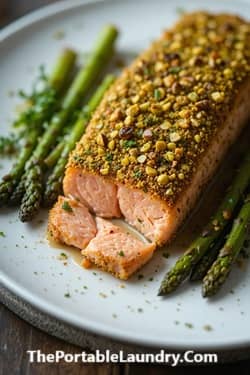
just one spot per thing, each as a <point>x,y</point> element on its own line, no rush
<point>162,113</point>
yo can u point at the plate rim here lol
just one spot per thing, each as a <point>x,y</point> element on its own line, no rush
<point>48,308</point>
<point>86,339</point>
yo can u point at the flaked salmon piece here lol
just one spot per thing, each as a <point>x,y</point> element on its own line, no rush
<point>103,243</point>
<point>98,195</point>
<point>71,223</point>
<point>148,215</point>
<point>117,251</point>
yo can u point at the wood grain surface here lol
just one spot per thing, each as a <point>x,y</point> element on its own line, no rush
<point>17,336</point>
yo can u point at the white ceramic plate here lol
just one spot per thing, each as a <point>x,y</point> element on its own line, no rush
<point>30,268</point>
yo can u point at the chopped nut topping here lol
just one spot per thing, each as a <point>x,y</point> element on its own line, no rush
<point>163,179</point>
<point>111,145</point>
<point>171,146</point>
<point>104,171</point>
<point>133,110</point>
<point>151,171</point>
<point>174,137</point>
<point>141,159</point>
<point>169,156</point>
<point>126,132</point>
<point>160,145</point>
<point>165,125</point>
<point>193,96</point>
<point>146,147</point>
<point>114,134</point>
<point>164,110</point>
<point>144,106</point>
<point>217,96</point>
<point>197,138</point>
<point>228,73</point>
<point>147,134</point>
<point>169,192</point>
<point>100,140</point>
<point>169,80</point>
<point>128,120</point>
<point>125,161</point>
<point>181,176</point>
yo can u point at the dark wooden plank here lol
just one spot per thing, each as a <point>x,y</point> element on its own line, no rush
<point>3,12</point>
<point>242,366</point>
<point>12,9</point>
<point>48,344</point>
<point>17,336</point>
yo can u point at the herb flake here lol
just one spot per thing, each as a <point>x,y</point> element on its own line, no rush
<point>66,207</point>
<point>174,69</point>
<point>157,94</point>
<point>129,143</point>
<point>121,253</point>
<point>137,173</point>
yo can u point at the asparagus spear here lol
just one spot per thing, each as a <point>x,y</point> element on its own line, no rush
<point>200,269</point>
<point>8,145</point>
<point>221,268</point>
<point>18,193</point>
<point>56,83</point>
<point>32,198</point>
<point>212,231</point>
<point>54,183</point>
<point>55,154</point>
<point>33,188</point>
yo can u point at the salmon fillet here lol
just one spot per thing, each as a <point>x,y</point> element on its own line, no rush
<point>159,221</point>
<point>117,251</point>
<point>164,126</point>
<point>71,223</point>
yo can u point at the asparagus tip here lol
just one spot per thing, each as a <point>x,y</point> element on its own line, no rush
<point>160,293</point>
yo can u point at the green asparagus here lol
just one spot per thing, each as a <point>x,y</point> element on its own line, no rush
<point>33,189</point>
<point>212,231</point>
<point>16,197</point>
<point>221,268</point>
<point>8,145</point>
<point>56,83</point>
<point>102,52</point>
<point>201,268</point>
<point>54,183</point>
<point>55,154</point>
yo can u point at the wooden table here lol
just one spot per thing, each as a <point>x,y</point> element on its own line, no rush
<point>17,336</point>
